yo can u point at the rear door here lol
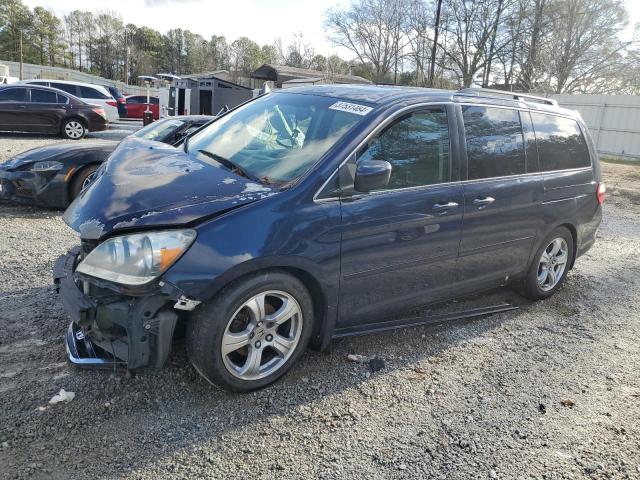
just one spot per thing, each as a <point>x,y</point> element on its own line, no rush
<point>46,110</point>
<point>400,244</point>
<point>502,195</point>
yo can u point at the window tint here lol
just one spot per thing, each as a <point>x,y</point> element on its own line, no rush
<point>417,147</point>
<point>65,87</point>
<point>495,146</point>
<point>88,92</point>
<point>560,142</point>
<point>133,100</point>
<point>13,95</point>
<point>43,96</point>
<point>62,98</point>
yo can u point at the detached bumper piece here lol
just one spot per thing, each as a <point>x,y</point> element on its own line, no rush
<point>110,328</point>
<point>83,353</point>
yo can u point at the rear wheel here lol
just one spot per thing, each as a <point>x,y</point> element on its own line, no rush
<point>81,180</point>
<point>252,332</point>
<point>550,265</point>
<point>73,129</point>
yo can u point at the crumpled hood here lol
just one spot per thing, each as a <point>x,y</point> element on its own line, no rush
<point>147,183</point>
<point>59,150</point>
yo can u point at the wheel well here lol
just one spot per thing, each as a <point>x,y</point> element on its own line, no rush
<point>73,117</point>
<point>318,296</point>
<point>574,236</point>
<point>75,176</point>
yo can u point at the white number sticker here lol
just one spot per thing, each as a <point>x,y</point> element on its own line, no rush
<point>351,108</point>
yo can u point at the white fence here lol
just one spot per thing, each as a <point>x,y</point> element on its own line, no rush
<point>31,71</point>
<point>613,120</point>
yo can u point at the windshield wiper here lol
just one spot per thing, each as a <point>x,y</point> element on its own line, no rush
<point>230,165</point>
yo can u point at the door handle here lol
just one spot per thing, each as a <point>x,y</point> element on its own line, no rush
<point>483,201</point>
<point>444,206</point>
<point>22,106</point>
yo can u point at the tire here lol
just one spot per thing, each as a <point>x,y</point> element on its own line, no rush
<point>256,354</point>
<point>78,180</point>
<point>550,265</point>
<point>73,129</point>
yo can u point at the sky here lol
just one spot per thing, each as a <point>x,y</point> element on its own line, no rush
<point>260,20</point>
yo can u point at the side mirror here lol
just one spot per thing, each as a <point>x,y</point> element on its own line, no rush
<point>372,175</point>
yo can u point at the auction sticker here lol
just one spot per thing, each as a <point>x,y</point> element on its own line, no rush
<point>351,108</point>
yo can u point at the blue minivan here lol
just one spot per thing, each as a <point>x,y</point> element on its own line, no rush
<point>318,212</point>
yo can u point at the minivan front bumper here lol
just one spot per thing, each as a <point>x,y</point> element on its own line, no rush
<point>108,327</point>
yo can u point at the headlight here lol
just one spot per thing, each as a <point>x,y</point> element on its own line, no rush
<point>46,166</point>
<point>138,258</point>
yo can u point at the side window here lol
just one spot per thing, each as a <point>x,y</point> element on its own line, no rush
<point>13,95</point>
<point>495,145</point>
<point>65,87</point>
<point>560,142</point>
<point>154,100</point>
<point>62,98</point>
<point>133,100</point>
<point>416,146</point>
<point>43,96</point>
<point>88,92</point>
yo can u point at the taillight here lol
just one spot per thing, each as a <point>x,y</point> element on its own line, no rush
<point>600,191</point>
<point>99,111</point>
<point>111,103</point>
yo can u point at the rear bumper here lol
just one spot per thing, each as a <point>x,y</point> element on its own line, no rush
<point>108,328</point>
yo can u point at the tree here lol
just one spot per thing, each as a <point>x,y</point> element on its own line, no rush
<point>372,30</point>
<point>245,56</point>
<point>15,20</point>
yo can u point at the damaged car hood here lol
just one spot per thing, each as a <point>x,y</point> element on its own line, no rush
<point>147,183</point>
<point>64,151</point>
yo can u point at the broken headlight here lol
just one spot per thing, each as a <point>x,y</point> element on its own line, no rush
<point>46,166</point>
<point>137,258</point>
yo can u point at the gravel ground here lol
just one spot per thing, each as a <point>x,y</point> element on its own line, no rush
<point>551,390</point>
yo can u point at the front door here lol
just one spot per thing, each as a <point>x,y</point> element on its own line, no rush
<point>400,244</point>
<point>502,196</point>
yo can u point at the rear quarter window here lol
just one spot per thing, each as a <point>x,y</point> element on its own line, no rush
<point>560,142</point>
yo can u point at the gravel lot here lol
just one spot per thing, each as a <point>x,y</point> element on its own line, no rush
<point>548,391</point>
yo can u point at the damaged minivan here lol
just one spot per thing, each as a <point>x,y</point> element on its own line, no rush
<point>319,212</point>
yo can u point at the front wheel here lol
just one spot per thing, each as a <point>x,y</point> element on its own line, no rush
<point>550,265</point>
<point>73,129</point>
<point>252,332</point>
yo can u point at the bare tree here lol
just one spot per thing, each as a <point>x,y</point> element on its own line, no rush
<point>372,30</point>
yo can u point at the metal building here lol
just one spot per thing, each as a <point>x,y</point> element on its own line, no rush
<point>206,94</point>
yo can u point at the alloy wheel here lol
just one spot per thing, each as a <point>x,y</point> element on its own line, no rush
<point>553,263</point>
<point>262,335</point>
<point>74,129</point>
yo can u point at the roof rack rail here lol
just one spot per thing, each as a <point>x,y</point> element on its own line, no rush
<point>489,92</point>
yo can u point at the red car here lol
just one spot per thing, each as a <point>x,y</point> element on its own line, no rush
<point>137,104</point>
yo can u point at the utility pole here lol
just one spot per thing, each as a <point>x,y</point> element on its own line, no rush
<point>21,68</point>
<point>432,71</point>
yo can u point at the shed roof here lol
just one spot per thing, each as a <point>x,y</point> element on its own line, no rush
<point>273,72</point>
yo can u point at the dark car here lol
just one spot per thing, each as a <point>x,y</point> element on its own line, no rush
<point>315,213</point>
<point>120,100</point>
<point>52,176</point>
<point>48,110</point>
